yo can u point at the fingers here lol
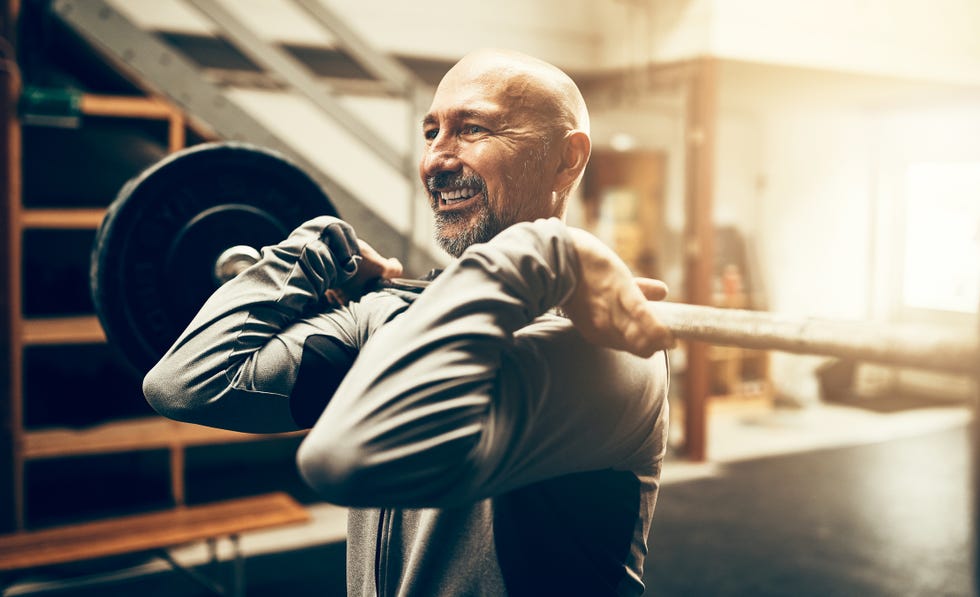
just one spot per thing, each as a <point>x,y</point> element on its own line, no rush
<point>386,268</point>
<point>656,336</point>
<point>343,245</point>
<point>393,268</point>
<point>370,267</point>
<point>335,297</point>
<point>643,334</point>
<point>653,290</point>
<point>358,264</point>
<point>609,306</point>
<point>356,258</point>
<point>377,266</point>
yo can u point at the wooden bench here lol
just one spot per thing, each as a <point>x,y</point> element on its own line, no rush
<point>153,532</point>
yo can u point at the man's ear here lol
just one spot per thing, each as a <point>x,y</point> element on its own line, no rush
<point>574,157</point>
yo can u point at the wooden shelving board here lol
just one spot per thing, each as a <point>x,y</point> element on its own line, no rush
<point>118,106</point>
<point>147,433</point>
<point>149,531</point>
<point>63,330</point>
<point>62,218</point>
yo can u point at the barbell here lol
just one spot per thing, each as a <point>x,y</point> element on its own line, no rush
<point>197,218</point>
<point>182,227</point>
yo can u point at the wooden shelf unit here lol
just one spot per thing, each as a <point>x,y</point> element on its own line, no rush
<point>116,436</point>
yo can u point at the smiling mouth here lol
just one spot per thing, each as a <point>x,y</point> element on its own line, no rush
<point>455,198</point>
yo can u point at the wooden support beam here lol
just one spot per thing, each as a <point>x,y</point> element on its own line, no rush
<point>11,467</point>
<point>701,115</point>
<point>976,470</point>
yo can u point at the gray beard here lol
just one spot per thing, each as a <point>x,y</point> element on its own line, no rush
<point>488,223</point>
<point>487,226</point>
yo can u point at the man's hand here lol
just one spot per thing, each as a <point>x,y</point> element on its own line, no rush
<point>609,306</point>
<point>362,265</point>
<point>372,266</point>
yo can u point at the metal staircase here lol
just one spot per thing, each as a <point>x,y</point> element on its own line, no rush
<point>155,65</point>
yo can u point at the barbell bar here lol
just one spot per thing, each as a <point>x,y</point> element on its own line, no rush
<point>197,218</point>
<point>932,347</point>
<point>937,348</point>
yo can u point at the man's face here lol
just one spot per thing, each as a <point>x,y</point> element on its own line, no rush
<point>486,163</point>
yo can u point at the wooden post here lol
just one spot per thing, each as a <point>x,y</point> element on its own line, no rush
<point>699,243</point>
<point>178,490</point>
<point>975,485</point>
<point>11,466</point>
<point>177,134</point>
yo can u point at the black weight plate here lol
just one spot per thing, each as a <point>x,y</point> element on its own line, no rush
<point>155,251</point>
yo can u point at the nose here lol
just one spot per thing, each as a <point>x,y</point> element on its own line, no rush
<point>440,155</point>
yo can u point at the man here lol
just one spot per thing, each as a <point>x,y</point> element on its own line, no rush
<point>486,446</point>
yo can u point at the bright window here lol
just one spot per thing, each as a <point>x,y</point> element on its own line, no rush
<point>942,237</point>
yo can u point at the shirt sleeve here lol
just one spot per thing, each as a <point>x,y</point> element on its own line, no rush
<point>471,393</point>
<point>255,340</point>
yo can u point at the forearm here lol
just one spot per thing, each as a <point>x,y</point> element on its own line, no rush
<point>234,366</point>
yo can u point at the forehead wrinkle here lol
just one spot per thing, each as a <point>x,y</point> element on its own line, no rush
<point>471,109</point>
<point>526,86</point>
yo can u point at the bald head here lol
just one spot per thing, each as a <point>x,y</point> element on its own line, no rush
<point>507,140</point>
<point>528,82</point>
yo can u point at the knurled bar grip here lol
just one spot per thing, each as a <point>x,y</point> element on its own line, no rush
<point>924,347</point>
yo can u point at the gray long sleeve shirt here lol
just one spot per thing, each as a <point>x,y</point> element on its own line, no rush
<point>483,446</point>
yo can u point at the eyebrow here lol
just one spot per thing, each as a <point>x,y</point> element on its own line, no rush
<point>464,115</point>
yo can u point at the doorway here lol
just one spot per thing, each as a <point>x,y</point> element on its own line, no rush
<point>624,205</point>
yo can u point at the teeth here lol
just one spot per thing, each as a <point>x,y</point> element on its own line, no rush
<point>456,196</point>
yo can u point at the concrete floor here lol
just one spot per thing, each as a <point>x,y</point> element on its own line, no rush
<point>827,500</point>
<point>884,518</point>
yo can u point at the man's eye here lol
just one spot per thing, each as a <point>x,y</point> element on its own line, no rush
<point>473,129</point>
<point>430,134</point>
